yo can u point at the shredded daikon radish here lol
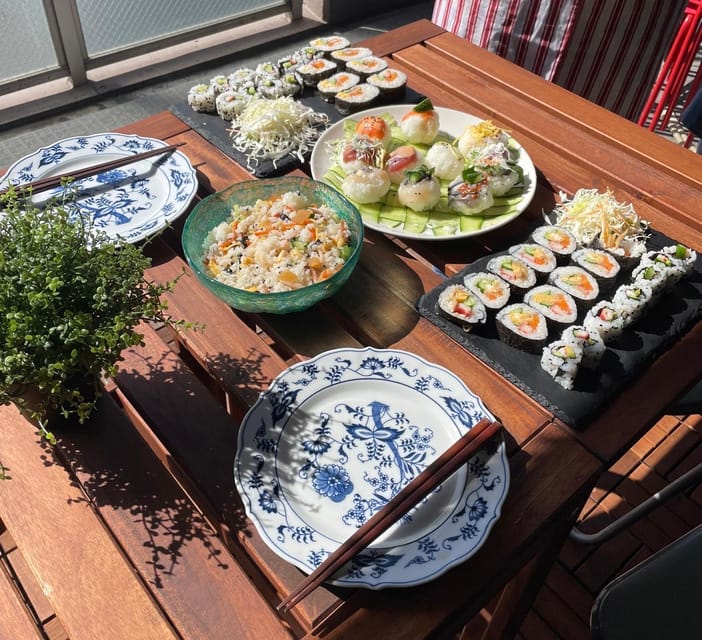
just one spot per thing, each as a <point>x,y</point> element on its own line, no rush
<point>268,129</point>
<point>592,215</point>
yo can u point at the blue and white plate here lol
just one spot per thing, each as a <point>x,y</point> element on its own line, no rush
<point>334,438</point>
<point>131,202</point>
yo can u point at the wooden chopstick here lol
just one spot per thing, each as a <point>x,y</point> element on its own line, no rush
<point>49,182</point>
<point>415,491</point>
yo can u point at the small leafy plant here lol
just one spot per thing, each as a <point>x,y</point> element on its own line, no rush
<point>70,300</point>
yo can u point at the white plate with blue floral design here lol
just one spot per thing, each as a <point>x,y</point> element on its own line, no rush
<point>129,203</point>
<point>334,438</point>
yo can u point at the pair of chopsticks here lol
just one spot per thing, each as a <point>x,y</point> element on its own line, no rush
<point>50,182</point>
<point>413,493</point>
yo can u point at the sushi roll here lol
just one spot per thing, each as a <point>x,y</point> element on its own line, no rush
<point>606,319</point>
<point>447,163</point>
<point>591,343</point>
<point>391,84</point>
<point>329,87</point>
<point>374,128</point>
<point>326,45</point>
<point>651,275</point>
<point>633,300</point>
<point>202,98</point>
<point>628,252</point>
<point>493,160</point>
<point>460,305</point>
<point>356,98</point>
<point>241,78</point>
<point>316,70</point>
<point>561,360</point>
<point>359,152</point>
<point>682,256</point>
<point>520,276</point>
<point>561,241</point>
<point>490,289</point>
<point>290,84</point>
<point>601,264</point>
<point>367,184</point>
<point>420,125</point>
<point>270,87</point>
<point>663,261</point>
<point>478,135</point>
<point>401,159</point>
<point>267,70</point>
<point>470,193</point>
<point>522,327</point>
<point>540,259</point>
<point>366,67</point>
<point>219,84</point>
<point>580,284</point>
<point>558,306</point>
<point>230,104</point>
<point>419,190</point>
<point>343,56</point>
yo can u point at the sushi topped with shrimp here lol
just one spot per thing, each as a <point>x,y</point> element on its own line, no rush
<point>420,125</point>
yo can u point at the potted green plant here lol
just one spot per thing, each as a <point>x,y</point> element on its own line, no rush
<point>70,303</point>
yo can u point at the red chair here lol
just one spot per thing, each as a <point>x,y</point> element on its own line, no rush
<point>666,90</point>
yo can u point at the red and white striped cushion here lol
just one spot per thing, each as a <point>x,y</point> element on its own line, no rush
<point>608,51</point>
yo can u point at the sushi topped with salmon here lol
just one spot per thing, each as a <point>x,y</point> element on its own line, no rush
<point>420,125</point>
<point>374,128</point>
<point>401,159</point>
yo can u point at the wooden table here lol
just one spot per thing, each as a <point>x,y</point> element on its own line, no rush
<point>132,526</point>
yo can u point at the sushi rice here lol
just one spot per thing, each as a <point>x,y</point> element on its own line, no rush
<point>279,244</point>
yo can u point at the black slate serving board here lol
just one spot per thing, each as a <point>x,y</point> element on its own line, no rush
<point>625,358</point>
<point>211,127</point>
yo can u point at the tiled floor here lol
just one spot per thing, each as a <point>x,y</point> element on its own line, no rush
<point>671,447</point>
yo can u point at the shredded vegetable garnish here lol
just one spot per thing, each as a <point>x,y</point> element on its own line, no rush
<point>268,129</point>
<point>591,215</point>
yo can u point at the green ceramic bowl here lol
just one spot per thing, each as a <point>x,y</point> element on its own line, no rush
<point>210,211</point>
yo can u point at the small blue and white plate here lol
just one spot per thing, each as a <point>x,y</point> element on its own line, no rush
<point>129,203</point>
<point>334,438</point>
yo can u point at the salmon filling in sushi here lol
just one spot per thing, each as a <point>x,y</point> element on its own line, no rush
<point>523,327</point>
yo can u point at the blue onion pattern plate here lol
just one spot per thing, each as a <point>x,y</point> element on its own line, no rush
<point>334,438</point>
<point>131,202</point>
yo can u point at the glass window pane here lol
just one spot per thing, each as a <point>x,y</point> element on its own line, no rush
<point>25,45</point>
<point>144,20</point>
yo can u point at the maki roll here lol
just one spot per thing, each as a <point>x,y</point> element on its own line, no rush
<point>447,163</point>
<point>682,256</point>
<point>367,184</point>
<point>558,306</point>
<point>460,305</point>
<point>316,70</point>
<point>591,343</point>
<point>391,83</point>
<point>419,190</point>
<point>356,98</point>
<point>601,264</point>
<point>578,283</point>
<point>492,290</point>
<point>219,84</point>
<point>326,45</point>
<point>652,275</point>
<point>558,239</point>
<point>366,67</point>
<point>520,276</point>
<point>663,261</point>
<point>420,125</point>
<point>633,300</point>
<point>606,319</point>
<point>202,98</point>
<point>539,258</point>
<point>401,159</point>
<point>522,327</point>
<point>329,87</point>
<point>470,193</point>
<point>343,56</point>
<point>561,360</point>
<point>230,104</point>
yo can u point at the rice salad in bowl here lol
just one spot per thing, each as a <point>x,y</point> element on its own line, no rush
<point>275,245</point>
